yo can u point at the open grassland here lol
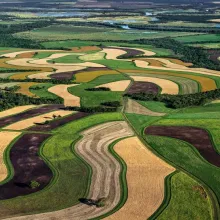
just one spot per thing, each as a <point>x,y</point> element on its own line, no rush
<point>70,32</point>
<point>199,38</point>
<point>25,88</point>
<point>66,59</point>
<point>24,124</point>
<point>67,169</point>
<point>145,179</point>
<point>6,138</point>
<point>185,191</point>
<point>93,56</point>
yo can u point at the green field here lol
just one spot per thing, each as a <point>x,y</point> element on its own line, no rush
<point>199,38</point>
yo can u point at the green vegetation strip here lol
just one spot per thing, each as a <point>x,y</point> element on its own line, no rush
<point>71,173</point>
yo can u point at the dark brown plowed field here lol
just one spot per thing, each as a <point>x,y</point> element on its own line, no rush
<point>198,137</point>
<point>130,52</point>
<point>28,114</point>
<point>59,122</point>
<point>63,76</point>
<point>146,87</point>
<point>28,166</point>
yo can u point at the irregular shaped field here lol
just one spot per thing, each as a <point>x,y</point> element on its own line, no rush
<point>16,110</point>
<point>198,137</point>
<point>85,49</point>
<point>43,75</point>
<point>146,87</point>
<point>118,86</point>
<point>62,91</point>
<point>93,56</point>
<point>10,84</point>
<point>187,86</point>
<point>66,75</point>
<point>136,108</point>
<point>151,62</point>
<point>28,114</point>
<point>167,86</point>
<point>94,149</point>
<point>59,122</point>
<point>21,125</point>
<point>25,88</point>
<point>206,83</point>
<point>145,179</point>
<point>28,167</point>
<point>112,54</point>
<point>6,138</point>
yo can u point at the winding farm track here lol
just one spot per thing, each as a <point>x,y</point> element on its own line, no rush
<point>94,149</point>
<point>145,179</point>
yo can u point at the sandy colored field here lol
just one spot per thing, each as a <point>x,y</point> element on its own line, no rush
<point>24,75</point>
<point>180,62</point>
<point>15,110</point>
<point>112,54</point>
<point>43,75</point>
<point>25,88</point>
<point>167,86</point>
<point>62,91</point>
<point>14,54</point>
<point>105,181</point>
<point>207,84</point>
<point>169,64</point>
<point>145,52</point>
<point>93,56</point>
<point>59,55</point>
<point>141,63</point>
<point>119,86</point>
<point>26,55</point>
<point>215,20</point>
<point>6,138</point>
<point>136,108</point>
<point>89,76</point>
<point>21,125</point>
<point>145,178</point>
<point>85,49</point>
<point>151,62</point>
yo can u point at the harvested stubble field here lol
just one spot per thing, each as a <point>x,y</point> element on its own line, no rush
<point>142,166</point>
<point>116,86</point>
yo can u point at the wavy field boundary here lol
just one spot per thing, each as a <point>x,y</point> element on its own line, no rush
<point>117,86</point>
<point>145,179</point>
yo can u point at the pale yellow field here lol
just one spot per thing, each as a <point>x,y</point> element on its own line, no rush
<point>215,20</point>
<point>93,56</point>
<point>24,124</point>
<point>25,88</point>
<point>145,179</point>
<point>6,138</point>
<point>89,76</point>
<point>167,86</point>
<point>112,54</point>
<point>43,75</point>
<point>118,86</point>
<point>62,91</point>
<point>15,110</point>
<point>141,63</point>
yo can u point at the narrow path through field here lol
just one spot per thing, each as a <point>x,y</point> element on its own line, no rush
<point>94,149</point>
<point>145,179</point>
<point>6,138</point>
<point>62,91</point>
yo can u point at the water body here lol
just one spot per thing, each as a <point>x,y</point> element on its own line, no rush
<point>148,14</point>
<point>126,27</point>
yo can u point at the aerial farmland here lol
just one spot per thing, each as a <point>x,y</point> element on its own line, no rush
<point>109,110</point>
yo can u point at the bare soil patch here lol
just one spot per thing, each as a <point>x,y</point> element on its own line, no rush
<point>145,179</point>
<point>28,167</point>
<point>198,137</point>
<point>146,87</point>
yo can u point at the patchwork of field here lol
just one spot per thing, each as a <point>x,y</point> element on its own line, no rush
<point>141,159</point>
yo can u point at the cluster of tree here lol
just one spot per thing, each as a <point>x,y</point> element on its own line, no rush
<point>10,99</point>
<point>111,104</point>
<point>11,89</point>
<point>178,101</point>
<point>53,81</point>
<point>3,70</point>
<point>98,89</point>
<point>93,109</point>
<point>38,87</point>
